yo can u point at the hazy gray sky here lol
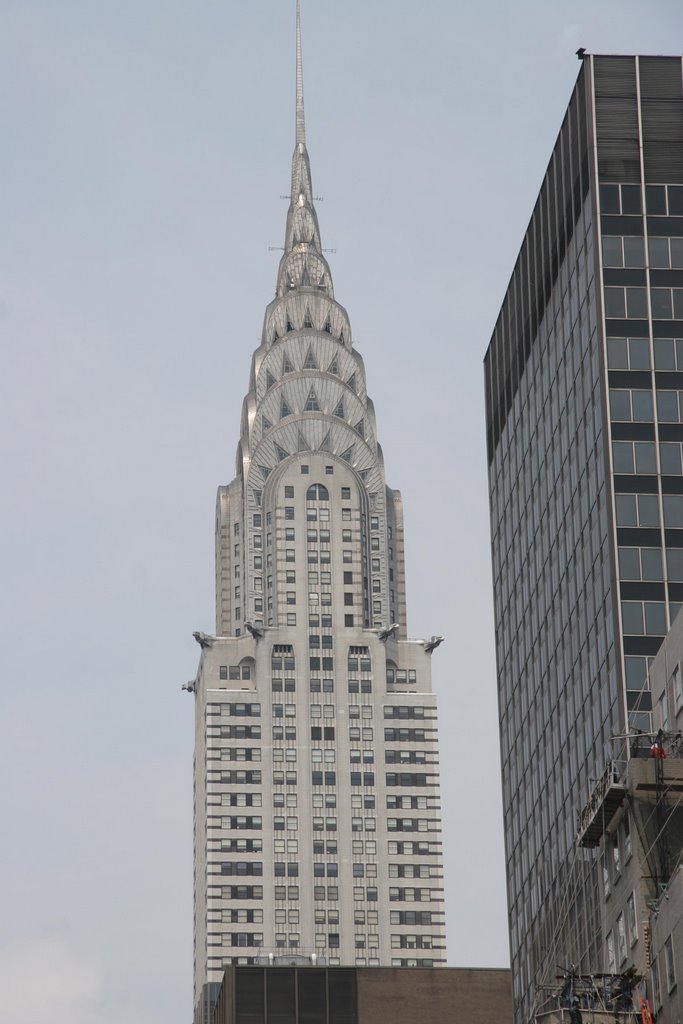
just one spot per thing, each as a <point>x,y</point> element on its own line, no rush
<point>145,146</point>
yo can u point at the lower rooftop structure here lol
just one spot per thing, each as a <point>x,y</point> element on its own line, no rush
<point>362,995</point>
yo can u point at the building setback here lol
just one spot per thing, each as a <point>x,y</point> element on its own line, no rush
<point>317,812</point>
<point>584,417</point>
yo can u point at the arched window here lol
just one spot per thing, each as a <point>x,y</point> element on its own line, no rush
<point>317,492</point>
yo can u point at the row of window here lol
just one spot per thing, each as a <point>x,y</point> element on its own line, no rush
<point>643,510</point>
<point>629,251</point>
<point>646,564</point>
<point>627,199</point>
<point>640,457</point>
<point>675,685</point>
<point>237,709</point>
<point>622,937</point>
<point>669,973</point>
<point>634,353</point>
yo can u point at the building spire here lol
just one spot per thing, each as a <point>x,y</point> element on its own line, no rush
<point>300,120</point>
<point>303,264</point>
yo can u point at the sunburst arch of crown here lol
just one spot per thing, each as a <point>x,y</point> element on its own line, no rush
<point>305,399</point>
<point>303,308</point>
<point>310,351</point>
<point>303,268</point>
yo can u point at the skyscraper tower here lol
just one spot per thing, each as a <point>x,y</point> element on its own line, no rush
<point>584,411</point>
<point>317,816</point>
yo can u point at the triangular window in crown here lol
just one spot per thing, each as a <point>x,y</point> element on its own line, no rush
<point>351,383</point>
<point>309,362</point>
<point>334,367</point>
<point>308,321</point>
<point>290,325</point>
<point>306,282</point>
<point>312,403</point>
<point>265,424</point>
<point>270,380</point>
<point>302,444</point>
<point>360,428</point>
<point>341,337</point>
<point>363,474</point>
<point>284,409</point>
<point>326,444</point>
<point>281,453</point>
<point>275,335</point>
<point>286,364</point>
<point>328,326</point>
<point>347,456</point>
<point>339,411</point>
<point>266,470</point>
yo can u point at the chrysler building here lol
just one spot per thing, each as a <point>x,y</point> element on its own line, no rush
<point>317,821</point>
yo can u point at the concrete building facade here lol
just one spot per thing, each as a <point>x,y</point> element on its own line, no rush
<point>634,821</point>
<point>584,432</point>
<point>317,807</point>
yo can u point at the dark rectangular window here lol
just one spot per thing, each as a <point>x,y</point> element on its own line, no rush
<point>281,998</point>
<point>342,994</point>
<point>249,996</point>
<point>312,996</point>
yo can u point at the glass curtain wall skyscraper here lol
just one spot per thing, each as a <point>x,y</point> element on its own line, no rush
<point>317,812</point>
<point>584,417</point>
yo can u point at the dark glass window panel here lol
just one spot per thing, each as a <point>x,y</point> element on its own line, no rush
<point>629,564</point>
<point>636,672</point>
<point>342,996</point>
<point>655,618</point>
<point>630,199</point>
<point>642,405</point>
<point>617,354</point>
<point>661,303</point>
<point>677,252</point>
<point>648,509</point>
<point>678,303</point>
<point>674,564</point>
<point>658,249</point>
<point>673,510</point>
<point>280,996</point>
<point>620,404</point>
<point>665,356</point>
<point>676,200</point>
<point>312,996</point>
<point>642,701</point>
<point>678,345</point>
<point>249,1007</point>
<point>622,457</point>
<point>639,353</point>
<point>609,199</point>
<point>634,253</point>
<point>632,617</point>
<point>667,406</point>
<point>615,304</point>
<point>651,561</point>
<point>655,199</point>
<point>646,461</point>
<point>670,458</point>
<point>674,609</point>
<point>611,251</point>
<point>636,303</point>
